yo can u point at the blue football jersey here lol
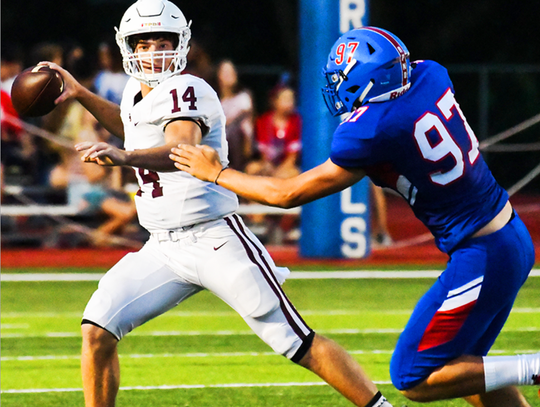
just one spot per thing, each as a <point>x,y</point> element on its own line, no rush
<point>420,145</point>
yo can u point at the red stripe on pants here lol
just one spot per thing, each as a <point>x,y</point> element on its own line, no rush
<point>444,326</point>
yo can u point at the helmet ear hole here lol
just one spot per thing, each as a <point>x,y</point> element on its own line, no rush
<point>371,50</point>
<point>353,89</point>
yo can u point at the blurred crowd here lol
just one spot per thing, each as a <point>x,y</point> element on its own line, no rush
<point>264,140</point>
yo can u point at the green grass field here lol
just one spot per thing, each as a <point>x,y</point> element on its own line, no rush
<point>203,354</point>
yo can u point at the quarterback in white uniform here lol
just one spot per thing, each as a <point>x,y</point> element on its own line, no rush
<point>197,241</point>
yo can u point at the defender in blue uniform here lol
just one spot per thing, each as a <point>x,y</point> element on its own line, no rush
<point>406,131</point>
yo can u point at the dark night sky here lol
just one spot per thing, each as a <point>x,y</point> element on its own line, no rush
<point>263,32</point>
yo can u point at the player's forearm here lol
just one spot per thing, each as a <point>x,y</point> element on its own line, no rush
<point>153,159</point>
<point>265,190</point>
<point>106,112</point>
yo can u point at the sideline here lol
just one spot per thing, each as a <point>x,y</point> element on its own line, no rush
<point>295,275</point>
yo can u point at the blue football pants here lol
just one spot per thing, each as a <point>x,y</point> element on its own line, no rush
<point>466,308</point>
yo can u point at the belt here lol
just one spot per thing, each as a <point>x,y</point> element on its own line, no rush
<point>172,235</point>
<point>179,233</point>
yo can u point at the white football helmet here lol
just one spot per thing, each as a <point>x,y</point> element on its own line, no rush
<point>153,16</point>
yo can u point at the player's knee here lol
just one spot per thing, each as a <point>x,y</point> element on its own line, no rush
<point>302,356</point>
<point>284,340</point>
<point>411,395</point>
<point>409,384</point>
<point>418,395</point>
<point>97,339</point>
<point>403,374</point>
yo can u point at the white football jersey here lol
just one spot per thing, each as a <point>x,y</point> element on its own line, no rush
<point>170,200</point>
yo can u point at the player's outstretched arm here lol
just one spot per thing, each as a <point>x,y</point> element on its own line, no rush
<point>203,162</point>
<point>106,112</point>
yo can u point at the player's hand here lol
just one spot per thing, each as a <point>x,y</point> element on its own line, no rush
<point>200,161</point>
<point>101,153</point>
<point>72,87</point>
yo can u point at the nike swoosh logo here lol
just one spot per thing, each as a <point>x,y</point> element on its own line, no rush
<point>221,245</point>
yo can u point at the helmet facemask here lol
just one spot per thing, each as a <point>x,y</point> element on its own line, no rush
<point>337,85</point>
<point>152,68</point>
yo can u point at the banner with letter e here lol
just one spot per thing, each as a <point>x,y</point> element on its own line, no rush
<point>336,226</point>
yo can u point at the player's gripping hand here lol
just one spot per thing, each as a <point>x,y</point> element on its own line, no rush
<point>200,161</point>
<point>101,153</point>
<point>72,88</point>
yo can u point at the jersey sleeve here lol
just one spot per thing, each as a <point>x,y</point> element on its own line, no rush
<point>357,144</point>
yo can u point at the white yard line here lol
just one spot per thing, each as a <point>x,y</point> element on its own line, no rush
<point>295,275</point>
<point>232,333</point>
<point>215,355</point>
<point>185,386</point>
<point>217,314</point>
<point>196,333</point>
<point>220,314</point>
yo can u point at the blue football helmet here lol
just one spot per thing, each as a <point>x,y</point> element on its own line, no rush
<point>365,64</point>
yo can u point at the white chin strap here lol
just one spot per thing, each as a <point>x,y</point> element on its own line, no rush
<point>365,92</point>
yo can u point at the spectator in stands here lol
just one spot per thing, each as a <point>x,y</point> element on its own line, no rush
<point>237,103</point>
<point>277,134</point>
<point>17,149</point>
<point>278,142</point>
<point>111,79</point>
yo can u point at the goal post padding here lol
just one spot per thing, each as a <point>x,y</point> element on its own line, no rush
<point>336,226</point>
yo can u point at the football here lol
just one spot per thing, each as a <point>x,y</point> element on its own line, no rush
<point>35,89</point>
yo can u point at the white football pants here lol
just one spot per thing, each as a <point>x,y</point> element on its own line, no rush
<point>222,256</point>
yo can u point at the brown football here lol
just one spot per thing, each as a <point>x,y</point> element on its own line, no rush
<point>35,89</point>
